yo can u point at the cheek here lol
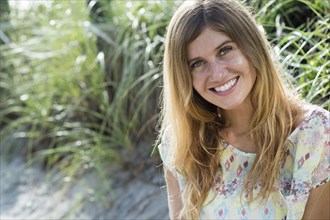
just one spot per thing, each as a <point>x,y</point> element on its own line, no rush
<point>239,61</point>
<point>197,81</point>
<point>195,85</point>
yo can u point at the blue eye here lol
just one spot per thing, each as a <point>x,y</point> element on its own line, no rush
<point>196,64</point>
<point>223,51</point>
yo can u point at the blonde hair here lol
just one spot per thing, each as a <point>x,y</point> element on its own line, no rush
<point>194,125</point>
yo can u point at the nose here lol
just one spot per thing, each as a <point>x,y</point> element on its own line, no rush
<point>217,70</point>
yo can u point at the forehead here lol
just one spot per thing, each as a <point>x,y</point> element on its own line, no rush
<point>206,43</point>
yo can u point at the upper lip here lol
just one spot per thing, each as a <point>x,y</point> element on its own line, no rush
<point>224,83</point>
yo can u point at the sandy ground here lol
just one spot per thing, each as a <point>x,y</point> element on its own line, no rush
<point>32,193</point>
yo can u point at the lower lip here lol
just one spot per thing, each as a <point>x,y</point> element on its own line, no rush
<point>227,91</point>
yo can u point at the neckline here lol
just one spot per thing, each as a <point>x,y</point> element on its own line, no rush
<point>249,154</point>
<point>236,150</point>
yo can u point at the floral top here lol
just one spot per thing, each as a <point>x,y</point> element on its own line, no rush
<point>306,166</point>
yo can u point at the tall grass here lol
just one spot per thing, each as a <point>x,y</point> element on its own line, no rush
<point>80,82</point>
<point>132,62</point>
<point>299,31</point>
<point>52,88</point>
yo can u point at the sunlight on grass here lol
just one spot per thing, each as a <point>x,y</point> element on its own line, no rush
<point>80,82</point>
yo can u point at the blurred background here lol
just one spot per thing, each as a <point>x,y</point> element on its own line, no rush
<point>80,84</point>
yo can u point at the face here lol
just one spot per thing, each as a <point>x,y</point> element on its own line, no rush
<point>221,74</point>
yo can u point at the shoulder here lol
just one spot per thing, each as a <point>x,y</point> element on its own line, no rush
<point>311,143</point>
<point>165,149</point>
<point>165,144</point>
<point>313,131</point>
<point>310,140</point>
<point>315,119</point>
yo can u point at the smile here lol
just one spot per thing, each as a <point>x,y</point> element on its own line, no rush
<point>227,86</point>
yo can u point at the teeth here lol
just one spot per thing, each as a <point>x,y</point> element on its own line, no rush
<point>227,86</point>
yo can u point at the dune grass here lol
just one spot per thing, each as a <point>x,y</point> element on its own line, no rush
<point>80,82</point>
<point>53,88</point>
<point>299,32</point>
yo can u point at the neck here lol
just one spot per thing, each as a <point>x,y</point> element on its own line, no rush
<point>239,118</point>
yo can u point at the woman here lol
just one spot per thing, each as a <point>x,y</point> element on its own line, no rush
<point>236,144</point>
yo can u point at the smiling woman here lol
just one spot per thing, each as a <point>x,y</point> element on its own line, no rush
<point>236,142</point>
<point>220,72</point>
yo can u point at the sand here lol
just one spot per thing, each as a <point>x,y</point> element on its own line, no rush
<point>30,192</point>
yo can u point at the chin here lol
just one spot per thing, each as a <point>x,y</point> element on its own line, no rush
<point>230,107</point>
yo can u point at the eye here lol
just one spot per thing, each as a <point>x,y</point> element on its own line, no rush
<point>196,64</point>
<point>223,51</point>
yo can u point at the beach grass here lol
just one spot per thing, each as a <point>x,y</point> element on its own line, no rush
<point>81,80</point>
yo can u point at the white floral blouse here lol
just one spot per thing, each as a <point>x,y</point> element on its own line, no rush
<point>306,166</point>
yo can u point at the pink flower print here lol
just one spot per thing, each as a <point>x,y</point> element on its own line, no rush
<point>223,192</point>
<point>220,212</point>
<point>222,189</point>
<point>217,179</point>
<point>307,156</point>
<point>231,158</point>
<point>301,162</point>
<point>243,211</point>
<point>294,192</point>
<point>239,170</point>
<point>306,185</point>
<point>266,211</point>
<point>245,164</point>
<point>327,130</point>
<point>227,165</point>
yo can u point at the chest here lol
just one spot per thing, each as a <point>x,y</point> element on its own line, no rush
<point>226,200</point>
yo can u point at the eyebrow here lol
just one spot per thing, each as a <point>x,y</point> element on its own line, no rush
<point>217,48</point>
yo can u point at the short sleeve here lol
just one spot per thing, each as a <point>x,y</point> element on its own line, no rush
<point>321,174</point>
<point>310,154</point>
<point>165,152</point>
<point>312,158</point>
<point>167,156</point>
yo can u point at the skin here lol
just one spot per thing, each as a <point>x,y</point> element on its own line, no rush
<point>214,60</point>
<point>173,193</point>
<point>318,204</point>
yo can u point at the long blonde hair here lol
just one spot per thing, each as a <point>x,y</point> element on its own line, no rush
<point>193,122</point>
